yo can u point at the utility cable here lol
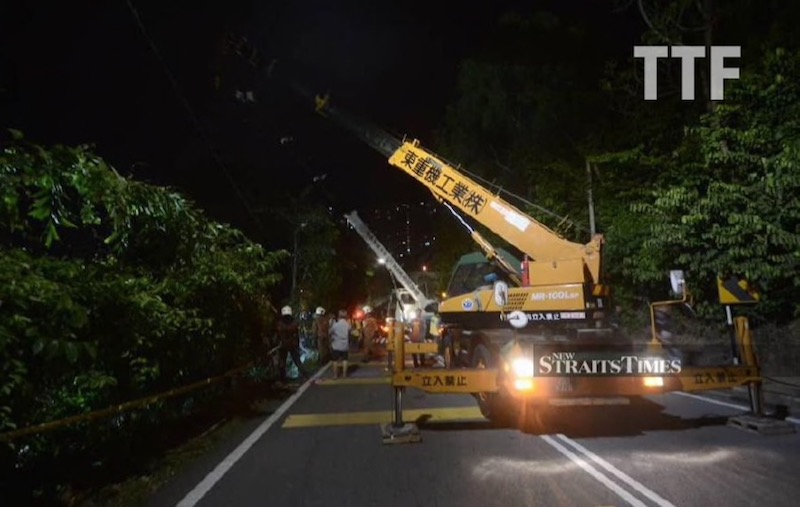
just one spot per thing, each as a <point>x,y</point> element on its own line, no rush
<point>387,143</point>
<point>194,119</point>
<point>459,217</point>
<point>789,384</point>
<point>521,199</point>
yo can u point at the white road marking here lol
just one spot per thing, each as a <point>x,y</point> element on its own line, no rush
<point>793,420</point>
<point>605,481</point>
<point>194,496</point>
<point>712,401</point>
<point>627,479</point>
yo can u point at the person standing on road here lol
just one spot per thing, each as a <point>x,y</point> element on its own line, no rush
<point>288,331</point>
<point>320,327</point>
<point>355,332</point>
<point>418,330</point>
<point>340,344</point>
<point>369,330</point>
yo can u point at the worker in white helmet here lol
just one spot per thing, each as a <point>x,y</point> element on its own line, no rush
<point>288,331</point>
<point>320,327</point>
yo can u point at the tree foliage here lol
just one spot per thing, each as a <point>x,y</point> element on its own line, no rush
<point>110,289</point>
<point>316,270</point>
<point>527,110</point>
<point>736,212</point>
<point>319,270</point>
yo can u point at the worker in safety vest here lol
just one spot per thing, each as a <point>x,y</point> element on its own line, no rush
<point>369,329</point>
<point>320,327</point>
<point>288,331</point>
<point>433,330</point>
<point>355,332</point>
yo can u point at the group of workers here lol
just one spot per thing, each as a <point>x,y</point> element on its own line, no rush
<point>336,335</point>
<point>333,339</point>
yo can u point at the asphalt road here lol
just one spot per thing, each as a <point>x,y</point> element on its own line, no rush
<point>324,448</point>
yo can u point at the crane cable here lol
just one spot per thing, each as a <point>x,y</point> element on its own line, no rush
<point>194,119</point>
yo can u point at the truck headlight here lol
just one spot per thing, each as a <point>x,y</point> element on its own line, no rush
<point>522,367</point>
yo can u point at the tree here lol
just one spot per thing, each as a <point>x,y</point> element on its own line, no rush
<point>110,290</point>
<point>672,187</point>
<point>528,112</point>
<point>738,214</point>
<point>319,275</point>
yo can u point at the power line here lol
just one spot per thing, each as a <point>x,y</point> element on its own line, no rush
<point>193,117</point>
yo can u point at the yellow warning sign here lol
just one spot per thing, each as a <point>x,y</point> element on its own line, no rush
<point>736,291</point>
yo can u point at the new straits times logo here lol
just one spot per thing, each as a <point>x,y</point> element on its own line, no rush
<point>571,363</point>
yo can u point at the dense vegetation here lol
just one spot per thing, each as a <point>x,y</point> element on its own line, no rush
<point>110,290</point>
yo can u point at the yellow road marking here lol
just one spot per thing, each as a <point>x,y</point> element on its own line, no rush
<point>383,416</point>
<point>349,381</point>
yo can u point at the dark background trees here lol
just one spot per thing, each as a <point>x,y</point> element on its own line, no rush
<point>118,275</point>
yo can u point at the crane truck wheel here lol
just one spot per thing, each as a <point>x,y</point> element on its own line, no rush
<point>493,406</point>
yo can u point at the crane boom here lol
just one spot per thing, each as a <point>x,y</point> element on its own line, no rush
<point>391,264</point>
<point>559,259</point>
<point>556,259</point>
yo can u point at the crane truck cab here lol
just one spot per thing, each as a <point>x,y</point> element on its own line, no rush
<point>471,274</point>
<point>402,305</point>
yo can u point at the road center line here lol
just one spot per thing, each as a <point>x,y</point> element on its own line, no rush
<point>627,479</point>
<point>605,481</point>
<point>793,420</point>
<point>194,496</point>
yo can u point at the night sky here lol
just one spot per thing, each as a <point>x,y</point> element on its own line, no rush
<point>82,72</point>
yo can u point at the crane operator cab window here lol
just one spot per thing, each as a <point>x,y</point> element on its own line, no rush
<point>473,272</point>
<point>406,299</point>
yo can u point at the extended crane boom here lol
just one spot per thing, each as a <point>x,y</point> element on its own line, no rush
<point>558,260</point>
<point>391,264</point>
<point>560,290</point>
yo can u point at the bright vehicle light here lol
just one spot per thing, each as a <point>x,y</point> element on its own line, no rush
<point>653,381</point>
<point>522,367</point>
<point>523,384</point>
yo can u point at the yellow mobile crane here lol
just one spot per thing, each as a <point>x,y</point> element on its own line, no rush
<point>543,335</point>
